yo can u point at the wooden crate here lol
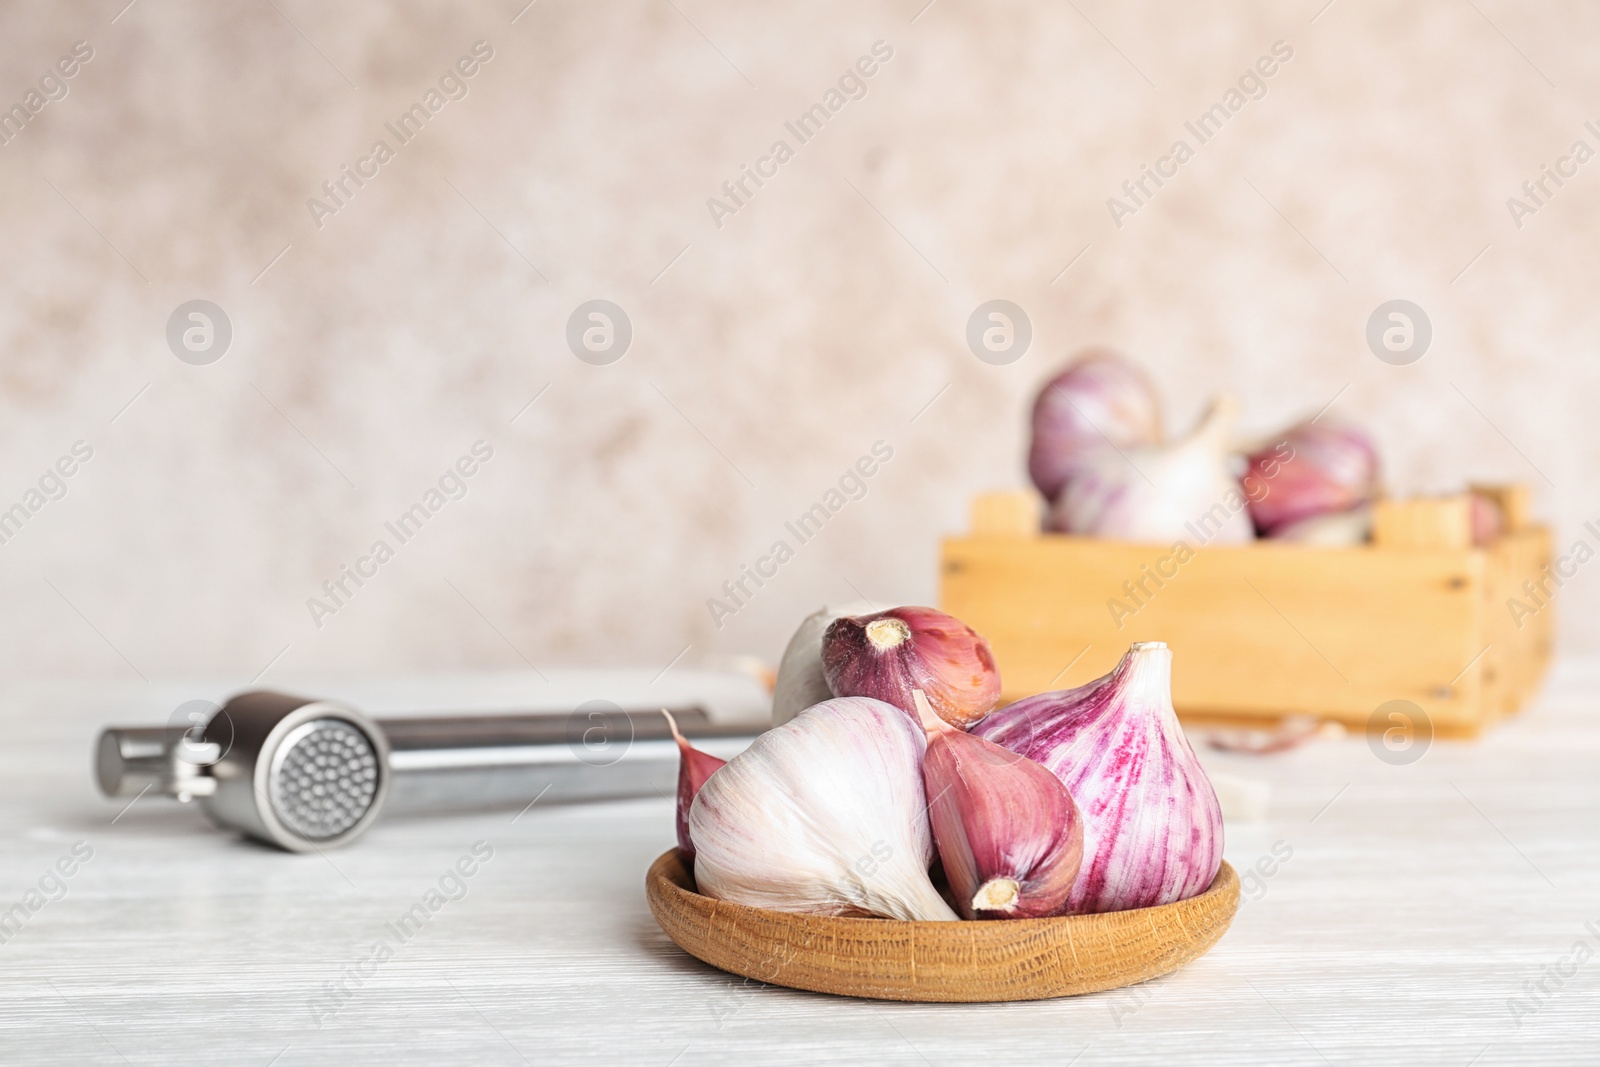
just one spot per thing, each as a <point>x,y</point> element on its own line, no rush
<point>1263,630</point>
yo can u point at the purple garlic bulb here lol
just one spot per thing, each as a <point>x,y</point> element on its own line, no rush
<point>1152,827</point>
<point>1310,471</point>
<point>1099,400</point>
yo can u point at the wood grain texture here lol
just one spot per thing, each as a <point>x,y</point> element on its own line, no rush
<point>1423,522</point>
<point>886,959</point>
<point>1266,629</point>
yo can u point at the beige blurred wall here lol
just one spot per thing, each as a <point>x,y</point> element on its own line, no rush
<point>770,352</point>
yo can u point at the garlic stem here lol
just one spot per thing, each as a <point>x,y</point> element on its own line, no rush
<point>672,724</point>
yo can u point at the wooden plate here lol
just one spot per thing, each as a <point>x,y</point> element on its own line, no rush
<point>887,959</point>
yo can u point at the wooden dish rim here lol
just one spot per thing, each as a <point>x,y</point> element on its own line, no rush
<point>1226,880</point>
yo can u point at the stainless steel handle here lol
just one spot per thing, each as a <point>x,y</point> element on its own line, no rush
<point>446,763</point>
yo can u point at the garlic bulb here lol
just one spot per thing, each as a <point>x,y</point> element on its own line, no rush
<point>824,814</point>
<point>1312,469</point>
<point>694,767</point>
<point>890,653</point>
<point>1152,827</point>
<point>1006,828</point>
<point>1100,399</point>
<point>1161,493</point>
<point>800,682</point>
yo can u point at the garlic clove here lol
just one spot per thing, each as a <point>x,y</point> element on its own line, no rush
<point>1312,469</point>
<point>1487,516</point>
<point>694,768</point>
<point>1161,493</point>
<point>888,654</point>
<point>1339,529</point>
<point>1152,826</point>
<point>1100,400</point>
<point>824,814</point>
<point>1007,830</point>
<point>801,682</point>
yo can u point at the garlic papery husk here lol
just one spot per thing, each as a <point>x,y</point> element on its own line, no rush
<point>1007,831</point>
<point>887,654</point>
<point>824,814</point>
<point>800,682</point>
<point>1161,493</point>
<point>1340,529</point>
<point>1315,468</point>
<point>1099,400</point>
<point>1152,827</point>
<point>694,768</point>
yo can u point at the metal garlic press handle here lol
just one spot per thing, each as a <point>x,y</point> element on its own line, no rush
<point>133,760</point>
<point>450,763</point>
<point>307,774</point>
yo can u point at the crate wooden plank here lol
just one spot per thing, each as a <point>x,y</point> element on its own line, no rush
<point>1259,630</point>
<point>1423,522</point>
<point>1529,554</point>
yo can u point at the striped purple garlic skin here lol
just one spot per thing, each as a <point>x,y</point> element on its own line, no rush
<point>1311,470</point>
<point>1152,824</point>
<point>1100,402</point>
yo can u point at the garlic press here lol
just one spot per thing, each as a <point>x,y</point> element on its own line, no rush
<point>306,774</point>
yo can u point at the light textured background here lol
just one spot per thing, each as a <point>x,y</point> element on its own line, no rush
<point>770,353</point>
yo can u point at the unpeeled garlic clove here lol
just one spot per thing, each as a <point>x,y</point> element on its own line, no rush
<point>1160,494</point>
<point>694,768</point>
<point>1100,401</point>
<point>1339,529</point>
<point>1007,830</point>
<point>824,814</point>
<point>801,682</point>
<point>888,654</point>
<point>1315,468</point>
<point>1152,826</point>
<point>1487,516</point>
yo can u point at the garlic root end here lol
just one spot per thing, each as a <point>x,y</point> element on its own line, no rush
<point>997,894</point>
<point>887,633</point>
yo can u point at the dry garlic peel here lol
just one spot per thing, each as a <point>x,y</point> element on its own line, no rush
<point>1151,822</point>
<point>824,814</point>
<point>1009,835</point>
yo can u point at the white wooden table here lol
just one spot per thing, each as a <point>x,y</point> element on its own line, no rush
<point>1418,902</point>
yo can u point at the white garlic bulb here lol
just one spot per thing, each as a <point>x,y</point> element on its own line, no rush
<point>824,814</point>
<point>1161,493</point>
<point>800,682</point>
